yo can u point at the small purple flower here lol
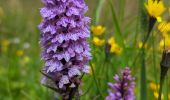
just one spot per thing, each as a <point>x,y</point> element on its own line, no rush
<point>64,31</point>
<point>123,88</point>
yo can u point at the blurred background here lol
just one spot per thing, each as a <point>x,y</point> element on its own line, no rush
<point>20,62</point>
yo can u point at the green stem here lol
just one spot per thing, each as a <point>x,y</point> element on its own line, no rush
<point>154,60</point>
<point>163,74</point>
<point>143,77</point>
<point>136,33</point>
<point>160,90</point>
<point>8,84</point>
<point>167,89</point>
<point>95,80</point>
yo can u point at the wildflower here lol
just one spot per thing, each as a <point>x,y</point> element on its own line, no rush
<point>64,32</point>
<point>123,88</point>
<point>115,48</point>
<point>141,44</point>
<point>98,30</point>
<point>26,45</point>
<point>98,42</point>
<point>164,42</point>
<point>164,27</point>
<point>19,53</point>
<point>16,40</point>
<point>154,86</point>
<point>156,95</point>
<point>5,44</point>
<point>155,8</point>
<point>26,60</point>
<point>168,96</point>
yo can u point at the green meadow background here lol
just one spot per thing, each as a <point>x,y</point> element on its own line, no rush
<point>126,20</point>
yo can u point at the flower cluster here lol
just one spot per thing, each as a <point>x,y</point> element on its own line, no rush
<point>64,31</point>
<point>113,47</point>
<point>123,88</point>
<point>155,87</point>
<point>98,31</point>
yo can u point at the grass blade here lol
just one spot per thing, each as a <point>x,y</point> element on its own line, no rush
<point>118,33</point>
<point>98,11</point>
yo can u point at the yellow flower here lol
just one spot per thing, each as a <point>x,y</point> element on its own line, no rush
<point>1,12</point>
<point>5,44</point>
<point>114,46</point>
<point>156,95</point>
<point>154,86</point>
<point>98,42</point>
<point>98,30</point>
<point>168,96</point>
<point>20,53</point>
<point>165,42</point>
<point>155,8</point>
<point>141,44</point>
<point>162,44</point>
<point>164,27</point>
<point>26,59</point>
<point>111,40</point>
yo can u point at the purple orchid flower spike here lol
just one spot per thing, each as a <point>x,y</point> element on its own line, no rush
<point>123,88</point>
<point>64,31</point>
